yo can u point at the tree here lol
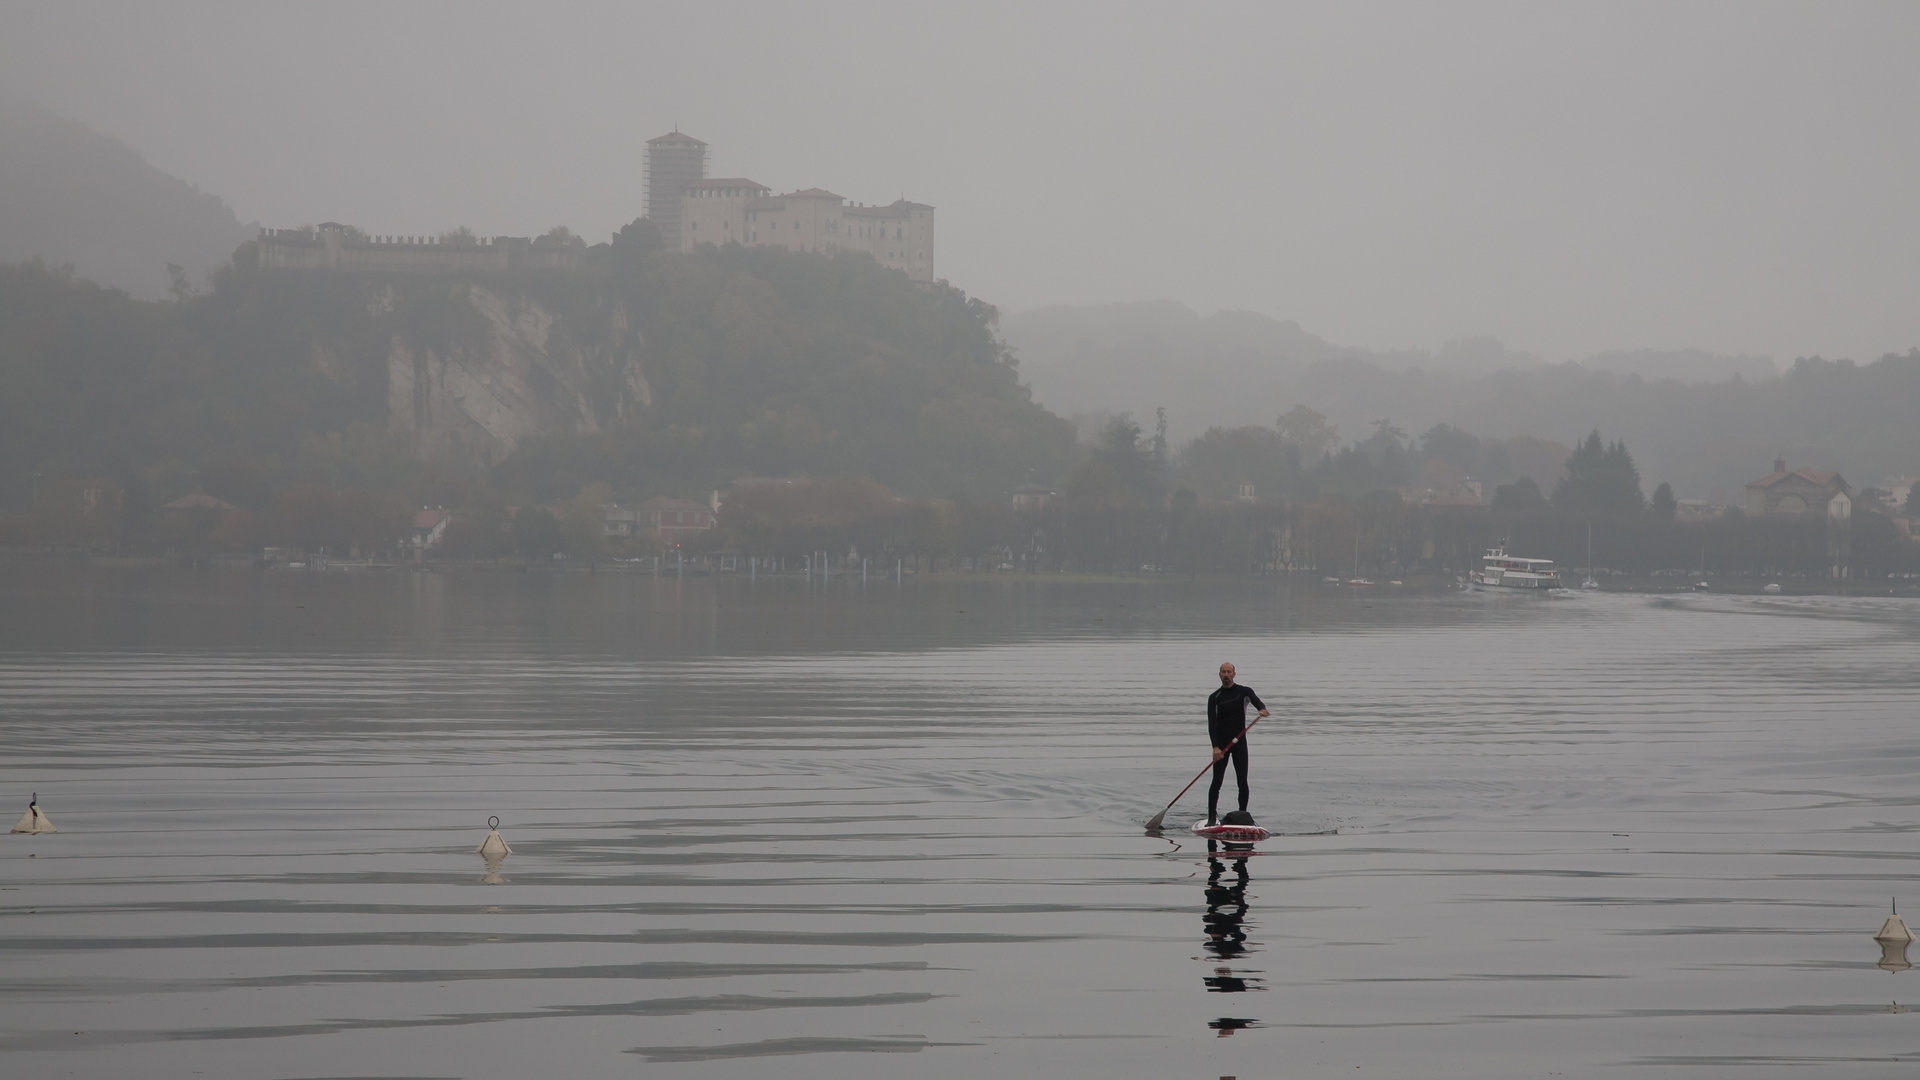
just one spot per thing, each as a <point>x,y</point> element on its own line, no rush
<point>1219,463</point>
<point>582,519</point>
<point>536,532</point>
<point>1450,444</point>
<point>338,520</point>
<point>460,237</point>
<point>178,286</point>
<point>1600,479</point>
<point>1121,451</point>
<point>634,242</point>
<point>1878,500</point>
<point>1522,494</point>
<point>1307,430</point>
<point>238,482</point>
<point>1664,504</point>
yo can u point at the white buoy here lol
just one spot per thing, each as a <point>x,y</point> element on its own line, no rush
<point>1894,929</point>
<point>1893,956</point>
<point>494,846</point>
<point>33,822</point>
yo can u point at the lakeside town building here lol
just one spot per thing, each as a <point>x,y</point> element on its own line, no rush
<point>672,521</point>
<point>1802,491</point>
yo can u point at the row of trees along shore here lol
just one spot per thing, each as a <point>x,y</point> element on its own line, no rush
<point>1234,502</point>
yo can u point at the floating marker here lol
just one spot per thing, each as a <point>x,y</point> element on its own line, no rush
<point>494,849</point>
<point>33,822</point>
<point>1893,956</point>
<point>494,846</point>
<point>1894,929</point>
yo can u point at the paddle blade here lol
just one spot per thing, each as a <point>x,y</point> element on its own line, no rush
<point>1157,820</point>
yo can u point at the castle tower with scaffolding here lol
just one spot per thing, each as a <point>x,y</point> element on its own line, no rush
<point>673,162</point>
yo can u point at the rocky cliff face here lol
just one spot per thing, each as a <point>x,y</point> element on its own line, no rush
<point>515,372</point>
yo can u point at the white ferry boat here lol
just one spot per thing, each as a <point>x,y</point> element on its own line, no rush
<point>1500,570</point>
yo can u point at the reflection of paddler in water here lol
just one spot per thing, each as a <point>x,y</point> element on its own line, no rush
<point>1226,931</point>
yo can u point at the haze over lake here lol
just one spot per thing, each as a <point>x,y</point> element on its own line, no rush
<point>770,828</point>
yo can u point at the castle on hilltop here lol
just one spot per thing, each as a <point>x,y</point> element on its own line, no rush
<point>690,209</point>
<point>687,206</point>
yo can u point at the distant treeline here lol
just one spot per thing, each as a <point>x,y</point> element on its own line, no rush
<point>1707,424</point>
<point>1129,505</point>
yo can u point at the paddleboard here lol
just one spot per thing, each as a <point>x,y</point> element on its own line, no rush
<point>1233,834</point>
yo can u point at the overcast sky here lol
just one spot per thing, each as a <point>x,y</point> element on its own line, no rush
<point>1739,177</point>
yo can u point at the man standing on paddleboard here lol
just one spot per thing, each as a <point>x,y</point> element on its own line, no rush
<point>1226,718</point>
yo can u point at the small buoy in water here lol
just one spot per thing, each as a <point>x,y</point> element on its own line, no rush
<point>494,846</point>
<point>1894,929</point>
<point>33,821</point>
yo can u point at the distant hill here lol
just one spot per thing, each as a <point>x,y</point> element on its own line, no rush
<point>652,372</point>
<point>1684,414</point>
<point>70,195</point>
<point>1224,368</point>
<point>1683,365</point>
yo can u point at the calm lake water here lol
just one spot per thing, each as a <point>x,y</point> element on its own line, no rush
<point>767,829</point>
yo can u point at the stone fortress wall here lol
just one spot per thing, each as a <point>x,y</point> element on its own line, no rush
<point>332,246</point>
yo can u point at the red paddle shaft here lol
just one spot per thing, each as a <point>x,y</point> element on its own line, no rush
<point>1161,817</point>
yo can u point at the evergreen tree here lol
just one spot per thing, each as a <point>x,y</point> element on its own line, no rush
<point>1522,494</point>
<point>1664,504</point>
<point>1601,479</point>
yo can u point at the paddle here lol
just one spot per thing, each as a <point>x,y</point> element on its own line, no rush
<point>1159,819</point>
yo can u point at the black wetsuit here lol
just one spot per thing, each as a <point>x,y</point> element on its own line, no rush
<point>1227,717</point>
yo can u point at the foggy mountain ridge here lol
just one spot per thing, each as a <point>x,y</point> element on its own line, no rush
<point>1709,438</point>
<point>1140,337</point>
<point>73,196</point>
<point>1684,365</point>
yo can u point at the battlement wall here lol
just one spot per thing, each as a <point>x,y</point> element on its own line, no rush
<point>342,249</point>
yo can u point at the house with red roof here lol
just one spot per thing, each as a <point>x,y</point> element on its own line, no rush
<point>429,528</point>
<point>1802,491</point>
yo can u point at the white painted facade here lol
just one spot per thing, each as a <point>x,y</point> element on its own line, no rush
<point>735,210</point>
